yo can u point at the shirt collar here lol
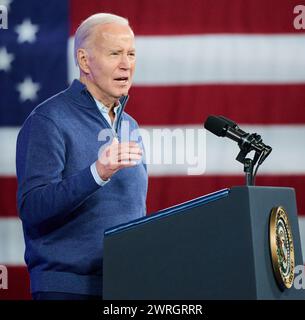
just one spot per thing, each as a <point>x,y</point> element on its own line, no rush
<point>79,93</point>
<point>103,109</point>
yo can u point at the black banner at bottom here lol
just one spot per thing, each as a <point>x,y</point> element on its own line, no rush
<point>151,309</point>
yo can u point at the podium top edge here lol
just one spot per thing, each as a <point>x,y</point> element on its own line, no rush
<point>170,211</point>
<point>257,187</point>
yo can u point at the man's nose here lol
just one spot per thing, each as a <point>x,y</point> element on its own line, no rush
<point>125,62</point>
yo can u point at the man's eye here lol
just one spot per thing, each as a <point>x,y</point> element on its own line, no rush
<point>114,53</point>
<point>132,54</point>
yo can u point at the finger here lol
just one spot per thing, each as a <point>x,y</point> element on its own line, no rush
<point>126,164</point>
<point>127,156</point>
<point>129,144</point>
<point>124,146</point>
<point>126,149</point>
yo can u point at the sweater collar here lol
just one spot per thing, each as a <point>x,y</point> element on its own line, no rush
<point>79,93</point>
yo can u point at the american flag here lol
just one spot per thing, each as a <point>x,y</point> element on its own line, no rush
<point>243,59</point>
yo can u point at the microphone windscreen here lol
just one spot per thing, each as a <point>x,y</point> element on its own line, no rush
<point>230,122</point>
<point>216,125</point>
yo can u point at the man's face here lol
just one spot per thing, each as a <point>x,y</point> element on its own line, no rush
<point>111,61</point>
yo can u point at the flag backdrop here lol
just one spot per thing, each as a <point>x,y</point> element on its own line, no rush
<point>240,58</point>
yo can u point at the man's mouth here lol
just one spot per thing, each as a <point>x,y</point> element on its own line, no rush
<point>122,80</point>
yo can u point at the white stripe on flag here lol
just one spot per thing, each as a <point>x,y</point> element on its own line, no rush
<point>172,60</point>
<point>12,242</point>
<point>287,156</point>
<point>8,138</point>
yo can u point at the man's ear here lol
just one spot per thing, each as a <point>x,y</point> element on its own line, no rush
<point>82,59</point>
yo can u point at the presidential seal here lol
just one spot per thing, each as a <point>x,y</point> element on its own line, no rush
<point>281,247</point>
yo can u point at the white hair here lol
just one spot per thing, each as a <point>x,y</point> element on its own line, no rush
<point>83,31</point>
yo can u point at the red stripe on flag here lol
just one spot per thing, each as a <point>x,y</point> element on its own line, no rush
<point>8,187</point>
<point>247,104</point>
<point>167,191</point>
<point>161,17</point>
<point>18,284</point>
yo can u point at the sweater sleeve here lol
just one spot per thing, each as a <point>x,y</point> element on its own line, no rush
<point>44,197</point>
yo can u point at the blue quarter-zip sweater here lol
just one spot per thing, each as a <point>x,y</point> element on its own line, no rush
<point>64,212</point>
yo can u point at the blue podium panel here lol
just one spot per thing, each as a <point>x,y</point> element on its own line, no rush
<point>212,247</point>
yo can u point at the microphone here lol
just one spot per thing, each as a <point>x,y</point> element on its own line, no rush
<point>223,127</point>
<point>247,142</point>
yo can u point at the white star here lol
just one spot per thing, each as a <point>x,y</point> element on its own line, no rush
<point>26,31</point>
<point>28,89</point>
<point>5,59</point>
<point>6,3</point>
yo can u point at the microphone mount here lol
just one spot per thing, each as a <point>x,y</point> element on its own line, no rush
<point>247,142</point>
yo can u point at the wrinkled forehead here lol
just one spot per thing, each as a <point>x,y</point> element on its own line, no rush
<point>113,34</point>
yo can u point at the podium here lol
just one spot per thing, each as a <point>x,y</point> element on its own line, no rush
<point>216,246</point>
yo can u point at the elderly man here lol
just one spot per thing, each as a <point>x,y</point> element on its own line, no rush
<point>72,184</point>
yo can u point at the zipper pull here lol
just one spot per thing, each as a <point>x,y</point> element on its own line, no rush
<point>116,138</point>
